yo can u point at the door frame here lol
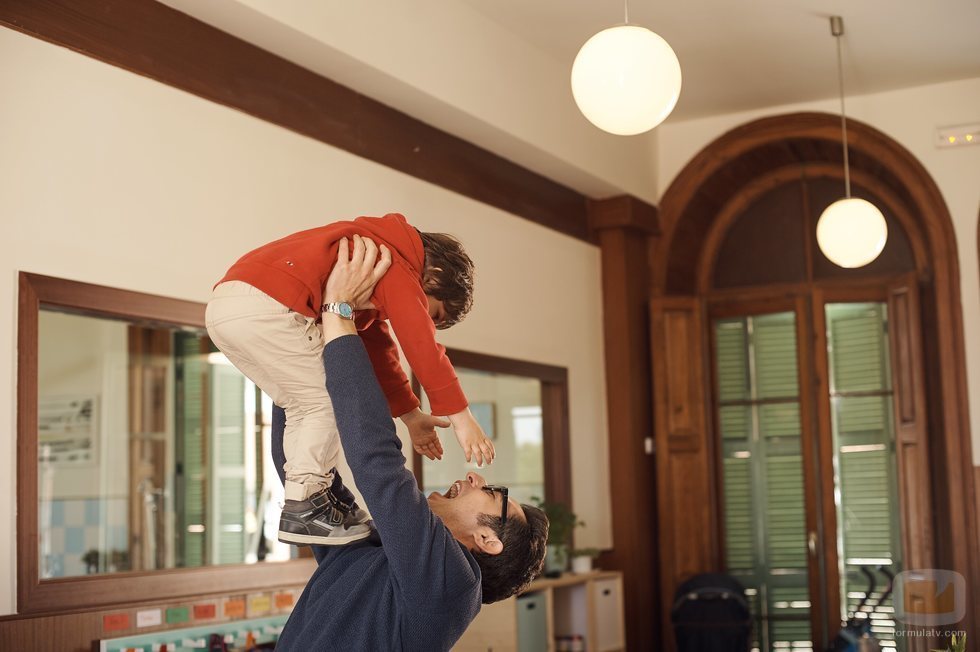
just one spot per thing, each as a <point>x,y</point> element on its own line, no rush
<point>727,304</point>
<point>807,301</point>
<point>713,177</point>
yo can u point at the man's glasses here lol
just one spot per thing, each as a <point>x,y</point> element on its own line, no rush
<point>503,492</point>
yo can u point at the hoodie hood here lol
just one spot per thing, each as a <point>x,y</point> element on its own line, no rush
<point>394,230</point>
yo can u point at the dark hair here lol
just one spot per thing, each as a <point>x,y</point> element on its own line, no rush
<point>522,558</point>
<point>448,275</point>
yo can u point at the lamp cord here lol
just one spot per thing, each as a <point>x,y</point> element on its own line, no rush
<point>843,120</point>
<point>626,10</point>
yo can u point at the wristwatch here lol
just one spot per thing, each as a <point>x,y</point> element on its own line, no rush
<point>341,308</point>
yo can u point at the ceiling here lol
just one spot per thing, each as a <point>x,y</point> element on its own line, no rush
<point>746,55</point>
<point>496,72</point>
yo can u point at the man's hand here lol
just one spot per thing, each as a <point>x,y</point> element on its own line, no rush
<point>475,444</point>
<point>356,273</point>
<point>352,280</point>
<point>422,430</point>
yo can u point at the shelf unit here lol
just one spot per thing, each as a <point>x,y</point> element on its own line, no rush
<point>589,605</point>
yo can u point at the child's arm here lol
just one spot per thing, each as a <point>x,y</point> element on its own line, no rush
<point>388,368</point>
<point>422,429</point>
<point>402,402</point>
<point>408,312</point>
<point>475,444</point>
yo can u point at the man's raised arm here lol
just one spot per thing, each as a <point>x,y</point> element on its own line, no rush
<point>428,564</point>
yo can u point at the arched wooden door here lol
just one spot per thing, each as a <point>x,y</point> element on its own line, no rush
<point>781,459</point>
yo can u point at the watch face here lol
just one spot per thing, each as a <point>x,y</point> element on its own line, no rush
<point>345,310</point>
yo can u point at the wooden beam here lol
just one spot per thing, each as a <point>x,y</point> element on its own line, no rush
<point>156,41</point>
<point>624,212</point>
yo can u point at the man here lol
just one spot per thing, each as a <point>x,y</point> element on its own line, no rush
<point>419,581</point>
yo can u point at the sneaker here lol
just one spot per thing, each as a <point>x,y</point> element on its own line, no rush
<point>319,520</point>
<point>356,516</point>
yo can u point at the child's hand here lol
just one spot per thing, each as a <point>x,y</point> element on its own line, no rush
<point>422,430</point>
<point>475,444</point>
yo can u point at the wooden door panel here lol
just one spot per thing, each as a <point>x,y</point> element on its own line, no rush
<point>686,497</point>
<point>911,424</point>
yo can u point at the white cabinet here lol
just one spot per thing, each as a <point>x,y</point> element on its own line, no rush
<point>588,606</point>
<point>493,630</point>
<point>608,600</point>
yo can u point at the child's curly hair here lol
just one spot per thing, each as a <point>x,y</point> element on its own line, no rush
<point>448,275</point>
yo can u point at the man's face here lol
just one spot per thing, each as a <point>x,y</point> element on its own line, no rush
<point>462,505</point>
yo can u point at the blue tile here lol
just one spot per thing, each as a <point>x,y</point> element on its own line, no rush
<point>57,513</point>
<point>118,535</point>
<point>93,511</point>
<point>74,540</point>
<point>53,566</point>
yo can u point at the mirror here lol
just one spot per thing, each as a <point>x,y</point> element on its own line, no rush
<point>153,451</point>
<point>141,450</point>
<point>508,408</point>
<point>523,407</point>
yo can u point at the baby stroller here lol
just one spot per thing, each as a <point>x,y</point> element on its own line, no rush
<point>711,614</point>
<point>856,634</point>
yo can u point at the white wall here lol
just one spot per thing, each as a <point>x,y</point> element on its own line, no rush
<point>910,116</point>
<point>78,356</point>
<point>109,178</point>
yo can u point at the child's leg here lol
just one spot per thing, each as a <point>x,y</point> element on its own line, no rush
<point>281,351</point>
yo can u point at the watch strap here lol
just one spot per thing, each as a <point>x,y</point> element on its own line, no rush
<point>341,308</point>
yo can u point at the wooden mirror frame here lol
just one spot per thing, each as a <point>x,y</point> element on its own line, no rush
<point>554,415</point>
<point>60,595</point>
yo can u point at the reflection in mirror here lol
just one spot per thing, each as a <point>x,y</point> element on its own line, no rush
<point>153,451</point>
<point>508,408</point>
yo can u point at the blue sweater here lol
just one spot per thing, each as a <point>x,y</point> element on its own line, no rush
<point>410,587</point>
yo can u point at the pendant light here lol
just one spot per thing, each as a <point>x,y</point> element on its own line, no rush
<point>626,79</point>
<point>851,232</point>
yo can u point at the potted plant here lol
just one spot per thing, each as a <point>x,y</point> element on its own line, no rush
<point>562,522</point>
<point>956,644</point>
<point>582,559</point>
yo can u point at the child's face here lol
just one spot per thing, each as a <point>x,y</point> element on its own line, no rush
<point>436,310</point>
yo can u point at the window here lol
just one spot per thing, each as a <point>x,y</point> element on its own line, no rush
<point>868,531</point>
<point>760,430</point>
<point>763,449</point>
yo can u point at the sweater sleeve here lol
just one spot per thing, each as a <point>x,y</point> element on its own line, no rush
<point>428,565</point>
<point>408,312</point>
<point>388,368</point>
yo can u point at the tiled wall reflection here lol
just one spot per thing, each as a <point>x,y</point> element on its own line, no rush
<point>80,536</point>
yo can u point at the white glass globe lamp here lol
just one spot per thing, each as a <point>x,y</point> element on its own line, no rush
<point>626,80</point>
<point>851,232</point>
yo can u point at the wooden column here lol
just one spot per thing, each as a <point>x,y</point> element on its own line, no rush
<point>622,226</point>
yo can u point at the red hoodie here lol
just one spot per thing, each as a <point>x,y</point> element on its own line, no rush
<point>294,269</point>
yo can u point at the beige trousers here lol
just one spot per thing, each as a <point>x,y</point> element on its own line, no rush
<point>281,351</point>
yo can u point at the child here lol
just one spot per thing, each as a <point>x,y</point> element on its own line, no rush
<point>263,316</point>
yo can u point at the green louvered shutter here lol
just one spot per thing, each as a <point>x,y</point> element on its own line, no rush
<point>191,450</point>
<point>735,422</point>
<point>760,432</point>
<point>861,401</point>
<point>227,528</point>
